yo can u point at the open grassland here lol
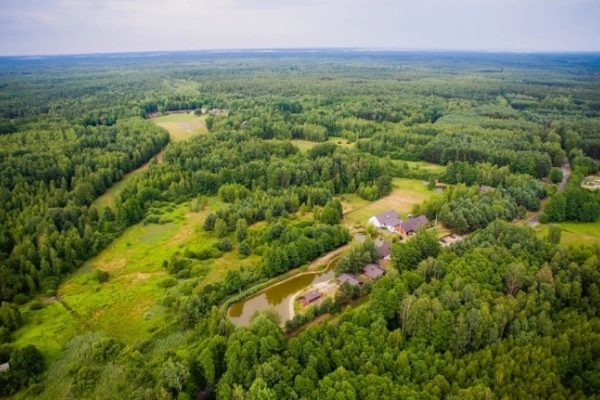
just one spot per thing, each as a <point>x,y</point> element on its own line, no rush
<point>406,193</point>
<point>435,168</point>
<point>128,306</point>
<point>305,145</point>
<point>182,126</point>
<point>575,233</point>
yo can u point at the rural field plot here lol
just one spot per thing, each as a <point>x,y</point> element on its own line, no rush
<point>182,126</point>
<point>424,165</point>
<point>406,193</point>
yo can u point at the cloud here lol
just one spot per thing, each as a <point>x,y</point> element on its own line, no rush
<point>83,26</point>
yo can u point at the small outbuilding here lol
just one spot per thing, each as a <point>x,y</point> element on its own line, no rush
<point>4,367</point>
<point>373,271</point>
<point>351,279</point>
<point>310,297</point>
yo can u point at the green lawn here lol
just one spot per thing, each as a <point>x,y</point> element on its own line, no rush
<point>406,193</point>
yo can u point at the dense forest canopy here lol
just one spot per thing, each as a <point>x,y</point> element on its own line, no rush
<point>292,139</point>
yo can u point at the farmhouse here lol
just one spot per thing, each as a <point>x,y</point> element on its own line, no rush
<point>389,220</point>
<point>373,271</point>
<point>484,188</point>
<point>408,227</point>
<point>310,297</point>
<point>385,250</point>
<point>351,279</point>
<point>4,367</point>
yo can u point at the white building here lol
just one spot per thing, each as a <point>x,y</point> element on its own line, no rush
<point>388,220</point>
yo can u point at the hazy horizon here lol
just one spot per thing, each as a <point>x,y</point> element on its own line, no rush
<point>63,27</point>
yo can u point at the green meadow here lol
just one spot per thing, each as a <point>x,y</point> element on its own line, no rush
<point>406,193</point>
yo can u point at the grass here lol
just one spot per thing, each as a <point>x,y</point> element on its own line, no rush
<point>128,306</point>
<point>435,168</point>
<point>406,193</point>
<point>182,126</point>
<point>305,145</point>
<point>575,233</point>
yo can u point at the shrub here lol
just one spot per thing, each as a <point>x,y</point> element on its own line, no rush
<point>36,305</point>
<point>167,282</point>
<point>101,276</point>
<point>184,274</point>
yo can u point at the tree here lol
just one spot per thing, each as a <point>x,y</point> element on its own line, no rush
<point>221,228</point>
<point>241,230</point>
<point>174,375</point>
<point>556,175</point>
<point>554,234</point>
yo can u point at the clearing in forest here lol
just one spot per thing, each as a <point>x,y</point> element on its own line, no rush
<point>575,233</point>
<point>305,145</point>
<point>129,306</point>
<point>406,193</point>
<point>182,126</point>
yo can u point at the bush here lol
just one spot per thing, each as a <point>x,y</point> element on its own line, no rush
<point>101,276</point>
<point>184,274</point>
<point>36,305</point>
<point>225,245</point>
<point>167,282</point>
<point>21,299</point>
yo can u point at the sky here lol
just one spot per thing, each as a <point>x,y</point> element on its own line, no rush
<point>35,27</point>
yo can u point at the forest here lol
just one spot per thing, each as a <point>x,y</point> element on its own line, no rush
<point>129,298</point>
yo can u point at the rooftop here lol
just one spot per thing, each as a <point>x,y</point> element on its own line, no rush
<point>411,225</point>
<point>350,278</point>
<point>385,249</point>
<point>373,271</point>
<point>389,218</point>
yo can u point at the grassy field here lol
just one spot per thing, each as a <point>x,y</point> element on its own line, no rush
<point>406,193</point>
<point>128,306</point>
<point>182,126</point>
<point>305,145</point>
<point>435,168</point>
<point>575,232</point>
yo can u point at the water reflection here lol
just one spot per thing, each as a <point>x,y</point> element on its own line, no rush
<point>276,297</point>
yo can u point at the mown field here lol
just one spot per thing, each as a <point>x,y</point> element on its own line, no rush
<point>182,126</point>
<point>406,193</point>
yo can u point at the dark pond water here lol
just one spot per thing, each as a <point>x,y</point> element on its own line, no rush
<point>276,297</point>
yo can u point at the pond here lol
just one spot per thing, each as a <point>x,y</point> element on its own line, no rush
<point>276,297</point>
<point>361,237</point>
